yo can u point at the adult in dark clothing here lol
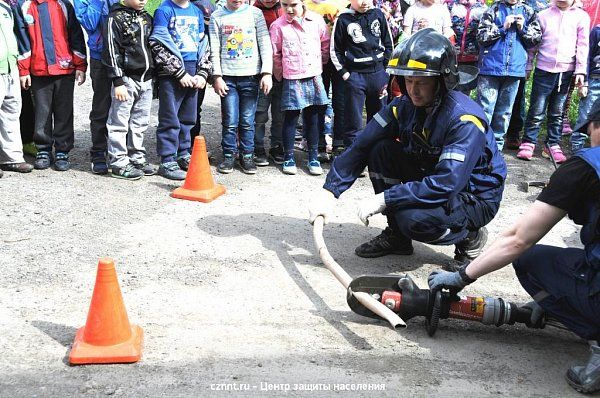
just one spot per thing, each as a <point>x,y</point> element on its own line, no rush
<point>564,282</point>
<point>432,158</point>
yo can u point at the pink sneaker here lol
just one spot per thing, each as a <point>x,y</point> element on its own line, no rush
<point>556,152</point>
<point>566,128</point>
<point>526,151</point>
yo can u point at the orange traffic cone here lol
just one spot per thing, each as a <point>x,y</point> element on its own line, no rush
<point>107,336</point>
<point>199,184</point>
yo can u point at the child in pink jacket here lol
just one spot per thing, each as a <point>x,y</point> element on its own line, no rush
<point>300,41</point>
<point>562,54</point>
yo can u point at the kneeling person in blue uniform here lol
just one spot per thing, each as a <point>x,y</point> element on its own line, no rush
<point>564,282</point>
<point>433,161</point>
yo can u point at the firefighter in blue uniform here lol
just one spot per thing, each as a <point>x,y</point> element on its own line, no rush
<point>564,282</point>
<point>432,159</point>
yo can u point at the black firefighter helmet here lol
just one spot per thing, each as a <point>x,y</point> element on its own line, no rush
<point>428,53</point>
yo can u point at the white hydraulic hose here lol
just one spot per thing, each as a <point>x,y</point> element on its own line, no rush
<point>342,276</point>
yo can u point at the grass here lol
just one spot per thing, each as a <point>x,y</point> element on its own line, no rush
<point>152,5</point>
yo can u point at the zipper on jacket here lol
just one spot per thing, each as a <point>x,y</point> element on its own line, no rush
<point>142,35</point>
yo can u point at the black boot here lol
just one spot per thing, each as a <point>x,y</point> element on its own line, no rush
<point>471,247</point>
<point>586,379</point>
<point>385,243</point>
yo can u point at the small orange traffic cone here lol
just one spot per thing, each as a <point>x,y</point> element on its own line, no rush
<point>107,336</point>
<point>199,184</point>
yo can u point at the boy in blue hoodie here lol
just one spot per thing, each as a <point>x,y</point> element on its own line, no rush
<point>92,15</point>
<point>181,56</point>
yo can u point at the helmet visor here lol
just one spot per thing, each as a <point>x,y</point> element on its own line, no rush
<point>404,71</point>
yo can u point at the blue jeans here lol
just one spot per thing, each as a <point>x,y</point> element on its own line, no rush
<point>332,78</point>
<point>272,100</point>
<point>585,105</point>
<point>238,108</point>
<point>517,117</point>
<point>550,91</point>
<point>496,95</point>
<point>560,280</point>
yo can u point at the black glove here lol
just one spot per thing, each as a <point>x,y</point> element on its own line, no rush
<point>537,320</point>
<point>453,281</point>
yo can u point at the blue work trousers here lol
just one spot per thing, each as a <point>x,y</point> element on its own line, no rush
<point>443,224</point>
<point>561,282</point>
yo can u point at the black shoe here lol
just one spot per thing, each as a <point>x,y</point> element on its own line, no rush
<point>323,156</point>
<point>226,166</point>
<point>99,165</point>
<point>337,151</point>
<point>586,379</point>
<point>146,168</point>
<point>129,172</point>
<point>247,164</point>
<point>384,244</point>
<point>472,246</point>
<point>43,160</point>
<point>184,161</point>
<point>260,158</point>
<point>21,167</point>
<point>276,153</point>
<point>171,171</point>
<point>61,162</point>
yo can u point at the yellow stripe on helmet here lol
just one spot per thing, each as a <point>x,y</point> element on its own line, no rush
<point>416,64</point>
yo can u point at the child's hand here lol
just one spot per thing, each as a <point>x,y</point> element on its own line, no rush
<point>187,81</point>
<point>383,92</point>
<point>582,91</point>
<point>220,86</point>
<point>121,93</point>
<point>510,19</point>
<point>79,77</point>
<point>345,76</point>
<point>25,82</point>
<point>266,83</point>
<point>520,21</point>
<point>200,82</point>
<point>579,80</point>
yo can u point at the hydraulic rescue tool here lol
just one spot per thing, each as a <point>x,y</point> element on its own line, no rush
<point>398,298</point>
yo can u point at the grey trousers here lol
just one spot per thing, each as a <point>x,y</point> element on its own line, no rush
<point>101,100</point>
<point>127,122</point>
<point>11,148</point>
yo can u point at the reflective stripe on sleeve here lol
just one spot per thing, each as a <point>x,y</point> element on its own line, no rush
<point>452,156</point>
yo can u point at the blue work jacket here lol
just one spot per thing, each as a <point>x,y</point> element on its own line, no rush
<point>460,154</point>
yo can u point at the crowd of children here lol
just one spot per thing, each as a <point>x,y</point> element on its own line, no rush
<point>320,59</point>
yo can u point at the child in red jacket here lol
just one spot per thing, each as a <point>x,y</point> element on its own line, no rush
<point>56,60</point>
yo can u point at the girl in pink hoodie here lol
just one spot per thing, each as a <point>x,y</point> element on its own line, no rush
<point>300,41</point>
<point>562,54</point>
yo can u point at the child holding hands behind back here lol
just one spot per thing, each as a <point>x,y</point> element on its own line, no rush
<point>300,48</point>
